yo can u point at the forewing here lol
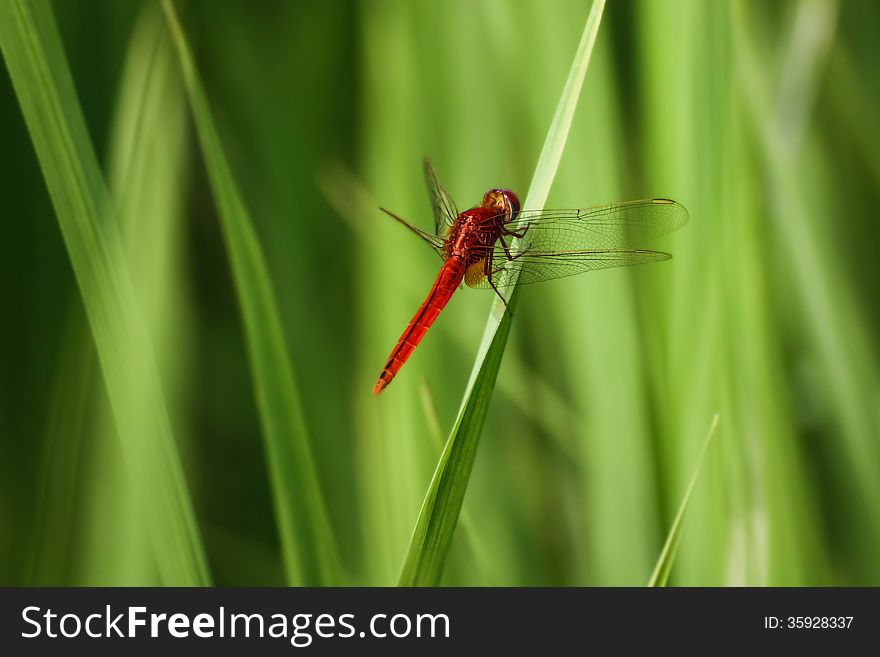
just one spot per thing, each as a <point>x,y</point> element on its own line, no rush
<point>442,204</point>
<point>619,226</point>
<point>568,242</point>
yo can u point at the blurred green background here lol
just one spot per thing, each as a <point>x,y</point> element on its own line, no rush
<point>761,118</point>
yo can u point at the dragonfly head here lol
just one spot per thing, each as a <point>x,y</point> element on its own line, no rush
<point>502,201</point>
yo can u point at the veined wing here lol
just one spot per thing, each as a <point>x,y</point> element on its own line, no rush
<point>567,242</point>
<point>534,267</point>
<point>434,241</point>
<point>617,226</point>
<point>442,204</point>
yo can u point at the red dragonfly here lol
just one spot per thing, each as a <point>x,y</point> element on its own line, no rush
<point>475,247</point>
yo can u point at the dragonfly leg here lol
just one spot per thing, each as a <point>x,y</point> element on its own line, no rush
<point>519,234</point>
<point>488,271</point>
<point>507,252</point>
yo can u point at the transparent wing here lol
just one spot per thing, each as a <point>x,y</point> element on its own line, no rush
<point>536,267</point>
<point>617,226</point>
<point>567,242</point>
<point>434,241</point>
<point>442,204</point>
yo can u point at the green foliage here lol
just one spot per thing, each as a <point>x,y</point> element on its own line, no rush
<point>306,538</point>
<point>187,362</point>
<point>660,576</point>
<point>35,59</point>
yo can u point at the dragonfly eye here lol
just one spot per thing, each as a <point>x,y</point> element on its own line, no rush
<point>502,201</point>
<point>512,202</point>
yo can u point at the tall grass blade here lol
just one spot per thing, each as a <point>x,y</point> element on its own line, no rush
<point>308,546</point>
<point>834,321</point>
<point>442,504</point>
<point>60,474</point>
<point>147,167</point>
<point>38,68</point>
<point>667,556</point>
<point>477,554</point>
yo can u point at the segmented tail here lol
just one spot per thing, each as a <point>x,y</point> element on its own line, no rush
<point>449,278</point>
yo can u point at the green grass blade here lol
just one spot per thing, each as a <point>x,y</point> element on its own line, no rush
<point>38,68</point>
<point>147,167</point>
<point>477,553</point>
<point>59,477</point>
<point>442,504</point>
<point>667,556</point>
<point>834,320</point>
<point>309,550</point>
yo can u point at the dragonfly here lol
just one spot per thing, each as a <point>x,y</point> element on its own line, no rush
<point>476,247</point>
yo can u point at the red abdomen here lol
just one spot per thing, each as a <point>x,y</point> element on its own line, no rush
<point>449,278</point>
